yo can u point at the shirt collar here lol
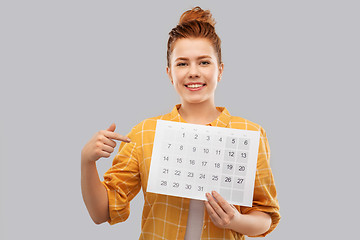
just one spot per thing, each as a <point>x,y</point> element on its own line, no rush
<point>222,120</point>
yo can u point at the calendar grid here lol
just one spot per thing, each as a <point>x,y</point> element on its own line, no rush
<point>189,160</point>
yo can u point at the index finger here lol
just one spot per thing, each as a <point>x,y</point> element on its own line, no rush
<point>222,202</point>
<point>116,136</point>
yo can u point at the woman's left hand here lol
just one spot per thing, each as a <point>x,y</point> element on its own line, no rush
<point>221,213</point>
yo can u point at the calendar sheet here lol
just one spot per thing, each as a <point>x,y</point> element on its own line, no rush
<point>189,160</point>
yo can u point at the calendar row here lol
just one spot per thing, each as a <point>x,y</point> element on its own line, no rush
<point>211,179</point>
<point>205,152</point>
<point>205,166</point>
<point>196,138</point>
<point>198,190</point>
<point>178,161</point>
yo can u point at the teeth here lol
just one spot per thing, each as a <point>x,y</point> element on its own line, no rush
<point>194,85</point>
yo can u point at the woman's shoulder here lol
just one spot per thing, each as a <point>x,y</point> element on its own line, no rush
<point>243,123</point>
<point>149,124</point>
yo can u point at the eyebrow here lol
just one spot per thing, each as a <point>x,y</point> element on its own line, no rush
<point>200,57</point>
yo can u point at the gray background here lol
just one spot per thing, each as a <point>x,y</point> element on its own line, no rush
<point>71,68</point>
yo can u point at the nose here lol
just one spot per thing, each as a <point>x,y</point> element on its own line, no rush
<point>194,71</point>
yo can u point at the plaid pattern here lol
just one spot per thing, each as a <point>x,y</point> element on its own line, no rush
<point>165,217</point>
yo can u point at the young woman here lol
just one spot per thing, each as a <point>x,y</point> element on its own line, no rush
<point>194,68</point>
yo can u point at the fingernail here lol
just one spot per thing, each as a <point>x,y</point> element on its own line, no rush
<point>128,139</point>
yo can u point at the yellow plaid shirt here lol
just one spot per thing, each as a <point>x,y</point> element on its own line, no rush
<point>165,217</point>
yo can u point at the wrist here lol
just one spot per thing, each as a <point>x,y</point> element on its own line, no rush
<point>251,224</point>
<point>86,161</point>
<point>236,221</point>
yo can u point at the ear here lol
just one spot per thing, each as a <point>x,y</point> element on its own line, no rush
<point>221,69</point>
<point>168,72</point>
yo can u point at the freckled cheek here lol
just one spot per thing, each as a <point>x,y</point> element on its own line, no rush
<point>210,74</point>
<point>211,79</point>
<point>179,79</point>
<point>178,84</point>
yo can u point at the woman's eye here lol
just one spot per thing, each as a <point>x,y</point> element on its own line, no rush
<point>181,64</point>
<point>205,63</point>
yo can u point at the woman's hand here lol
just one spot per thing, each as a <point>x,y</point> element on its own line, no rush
<point>94,193</point>
<point>222,214</point>
<point>102,144</point>
<point>225,215</point>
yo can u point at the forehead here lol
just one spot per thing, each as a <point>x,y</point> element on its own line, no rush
<point>193,47</point>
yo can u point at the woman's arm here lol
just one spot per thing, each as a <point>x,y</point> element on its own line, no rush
<point>224,215</point>
<point>252,224</point>
<point>94,193</point>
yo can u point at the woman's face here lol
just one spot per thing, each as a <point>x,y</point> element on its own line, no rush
<point>194,70</point>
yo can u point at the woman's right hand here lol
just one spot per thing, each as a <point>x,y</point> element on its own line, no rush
<point>102,144</point>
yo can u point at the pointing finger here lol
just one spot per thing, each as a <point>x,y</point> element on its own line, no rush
<point>116,136</point>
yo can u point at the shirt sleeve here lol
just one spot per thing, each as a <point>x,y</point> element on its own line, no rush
<point>265,199</point>
<point>122,180</point>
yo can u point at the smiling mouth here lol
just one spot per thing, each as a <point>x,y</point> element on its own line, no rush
<point>194,86</point>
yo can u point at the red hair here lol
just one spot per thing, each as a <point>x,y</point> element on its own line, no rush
<point>195,23</point>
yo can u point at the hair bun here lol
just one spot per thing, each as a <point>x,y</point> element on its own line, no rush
<point>197,14</point>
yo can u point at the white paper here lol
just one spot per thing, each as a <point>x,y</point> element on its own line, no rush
<point>189,160</point>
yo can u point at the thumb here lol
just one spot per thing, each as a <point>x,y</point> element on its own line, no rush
<point>112,127</point>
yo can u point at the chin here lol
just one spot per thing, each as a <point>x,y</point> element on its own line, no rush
<point>195,101</point>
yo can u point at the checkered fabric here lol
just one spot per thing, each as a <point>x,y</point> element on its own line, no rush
<point>165,217</point>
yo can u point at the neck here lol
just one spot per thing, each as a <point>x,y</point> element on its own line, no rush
<point>199,113</point>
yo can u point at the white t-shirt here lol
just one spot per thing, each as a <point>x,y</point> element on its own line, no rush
<point>195,220</point>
